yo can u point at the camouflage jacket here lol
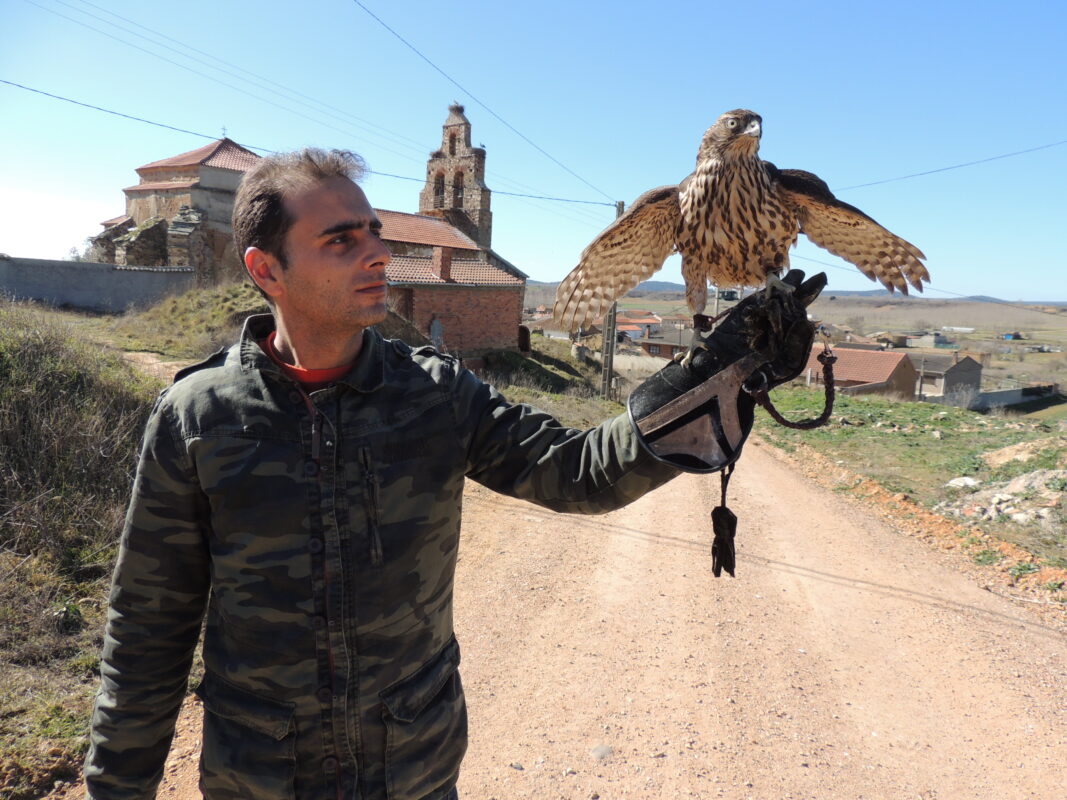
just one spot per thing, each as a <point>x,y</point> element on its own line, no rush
<point>320,532</point>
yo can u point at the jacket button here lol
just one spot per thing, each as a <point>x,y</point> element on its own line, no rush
<point>311,468</point>
<point>324,694</point>
<point>315,545</point>
<point>319,622</point>
<point>296,397</point>
<point>329,763</point>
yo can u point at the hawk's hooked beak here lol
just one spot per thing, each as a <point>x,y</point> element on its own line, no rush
<point>753,129</point>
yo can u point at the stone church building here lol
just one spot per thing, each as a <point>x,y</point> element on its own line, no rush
<point>444,277</point>
<point>179,214</point>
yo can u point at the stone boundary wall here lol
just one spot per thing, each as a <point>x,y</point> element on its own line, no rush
<point>1001,398</point>
<point>1010,397</point>
<point>90,285</point>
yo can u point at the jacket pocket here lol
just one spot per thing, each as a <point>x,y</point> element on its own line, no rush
<point>249,743</point>
<point>425,718</point>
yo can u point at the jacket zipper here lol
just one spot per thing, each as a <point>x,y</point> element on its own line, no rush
<point>316,451</point>
<point>372,506</point>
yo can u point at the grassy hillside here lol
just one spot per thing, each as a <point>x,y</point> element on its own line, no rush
<point>194,324</point>
<point>71,417</point>
<point>1019,464</point>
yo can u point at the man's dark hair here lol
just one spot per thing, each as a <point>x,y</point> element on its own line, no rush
<point>259,215</point>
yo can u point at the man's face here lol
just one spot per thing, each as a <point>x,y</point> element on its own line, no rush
<point>335,275</point>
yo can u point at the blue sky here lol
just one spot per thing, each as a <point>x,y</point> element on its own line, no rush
<point>618,93</point>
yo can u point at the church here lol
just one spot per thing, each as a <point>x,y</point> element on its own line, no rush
<point>445,277</point>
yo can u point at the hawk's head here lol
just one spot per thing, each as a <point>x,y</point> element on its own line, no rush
<point>735,134</point>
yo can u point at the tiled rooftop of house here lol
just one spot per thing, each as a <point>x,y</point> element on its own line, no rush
<point>418,229</point>
<point>223,153</point>
<point>864,366</point>
<point>158,186</point>
<point>110,223</point>
<point>938,363</point>
<point>467,272</point>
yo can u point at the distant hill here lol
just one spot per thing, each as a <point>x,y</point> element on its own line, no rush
<point>669,287</point>
<point>659,286</point>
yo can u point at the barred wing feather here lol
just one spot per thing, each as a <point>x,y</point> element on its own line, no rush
<point>847,232</point>
<point>625,253</point>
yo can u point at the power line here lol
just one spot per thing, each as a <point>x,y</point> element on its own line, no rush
<point>994,300</point>
<point>956,166</point>
<point>266,88</point>
<point>267,149</point>
<point>509,194</point>
<point>345,115</point>
<point>212,78</point>
<point>124,116</point>
<point>456,83</point>
<point>362,122</point>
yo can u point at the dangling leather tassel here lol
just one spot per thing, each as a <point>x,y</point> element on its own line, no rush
<point>724,524</point>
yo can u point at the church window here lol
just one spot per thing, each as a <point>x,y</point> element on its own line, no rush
<point>451,144</point>
<point>439,191</point>
<point>457,190</point>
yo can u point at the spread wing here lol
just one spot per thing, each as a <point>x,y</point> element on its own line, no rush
<point>846,231</point>
<point>625,253</point>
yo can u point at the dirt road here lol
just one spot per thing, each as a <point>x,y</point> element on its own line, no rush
<point>846,660</point>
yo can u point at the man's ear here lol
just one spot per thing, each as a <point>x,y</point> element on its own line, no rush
<point>265,270</point>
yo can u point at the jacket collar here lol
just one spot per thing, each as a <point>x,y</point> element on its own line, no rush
<point>366,375</point>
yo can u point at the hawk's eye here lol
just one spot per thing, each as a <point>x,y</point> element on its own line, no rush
<point>731,123</point>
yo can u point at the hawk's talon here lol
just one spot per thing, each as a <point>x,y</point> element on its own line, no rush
<point>774,283</point>
<point>698,343</point>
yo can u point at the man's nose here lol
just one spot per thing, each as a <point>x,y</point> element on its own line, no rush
<point>380,256</point>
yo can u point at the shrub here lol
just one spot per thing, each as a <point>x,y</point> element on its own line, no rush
<point>71,417</point>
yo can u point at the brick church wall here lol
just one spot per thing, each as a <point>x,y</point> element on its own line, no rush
<point>475,319</point>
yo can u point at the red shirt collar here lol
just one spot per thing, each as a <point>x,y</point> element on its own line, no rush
<point>310,379</point>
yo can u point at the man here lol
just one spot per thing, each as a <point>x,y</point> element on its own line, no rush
<point>304,487</point>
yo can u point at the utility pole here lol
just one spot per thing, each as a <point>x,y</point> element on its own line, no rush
<point>607,351</point>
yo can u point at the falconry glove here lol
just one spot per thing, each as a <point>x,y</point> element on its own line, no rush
<point>697,416</point>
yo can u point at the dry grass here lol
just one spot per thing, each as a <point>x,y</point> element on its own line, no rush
<point>71,417</point>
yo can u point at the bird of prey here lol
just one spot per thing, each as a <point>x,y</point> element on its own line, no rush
<point>733,220</point>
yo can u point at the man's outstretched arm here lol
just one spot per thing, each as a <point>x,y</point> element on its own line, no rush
<point>157,602</point>
<point>523,452</point>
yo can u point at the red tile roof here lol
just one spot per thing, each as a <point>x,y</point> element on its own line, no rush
<point>864,366</point>
<point>162,186</point>
<point>400,227</point>
<point>465,272</point>
<point>108,223</point>
<point>224,153</point>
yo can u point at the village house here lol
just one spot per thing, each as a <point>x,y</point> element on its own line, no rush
<point>946,374</point>
<point>647,322</point>
<point>445,278</point>
<point>927,339</point>
<point>668,344</point>
<point>865,371</point>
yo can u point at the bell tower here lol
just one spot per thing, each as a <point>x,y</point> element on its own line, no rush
<point>455,187</point>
